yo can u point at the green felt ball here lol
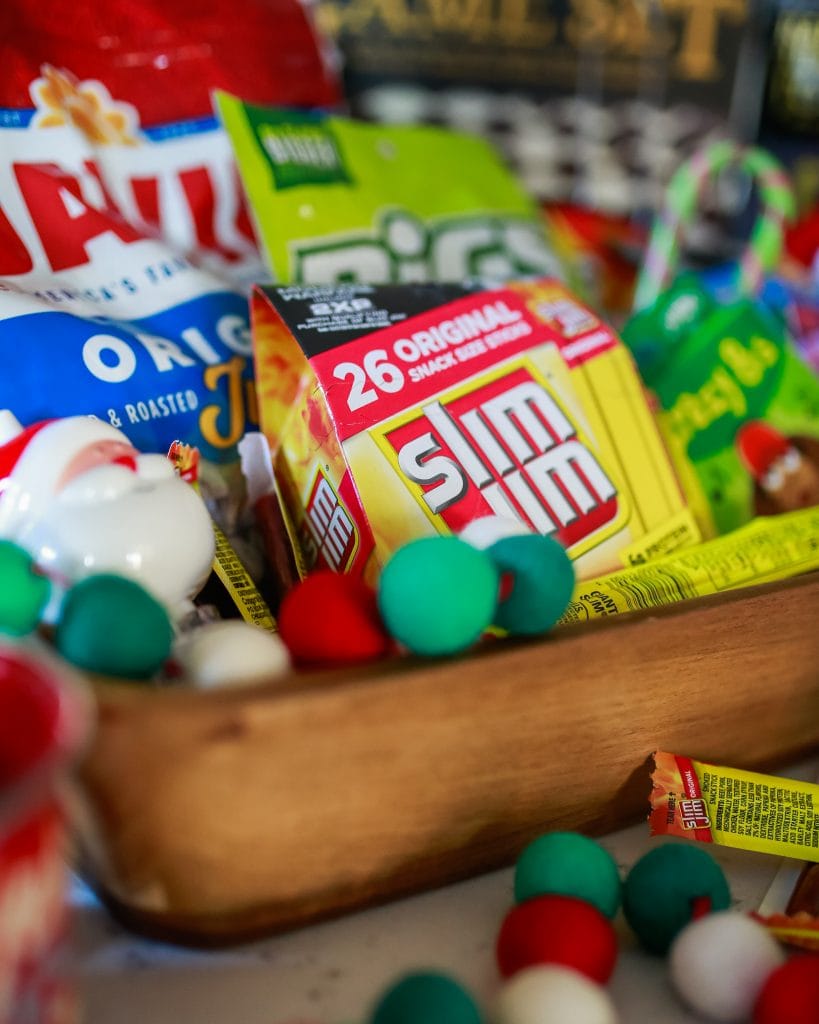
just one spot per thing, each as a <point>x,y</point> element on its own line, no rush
<point>113,626</point>
<point>541,577</point>
<point>426,998</point>
<point>24,593</point>
<point>437,595</point>
<point>568,864</point>
<point>660,891</point>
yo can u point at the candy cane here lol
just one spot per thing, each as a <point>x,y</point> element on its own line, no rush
<point>683,195</point>
<point>778,207</point>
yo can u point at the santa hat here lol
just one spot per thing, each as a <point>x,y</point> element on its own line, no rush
<point>33,461</point>
<point>760,445</point>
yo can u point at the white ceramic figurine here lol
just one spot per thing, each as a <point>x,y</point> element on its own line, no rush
<point>82,501</point>
<point>79,497</point>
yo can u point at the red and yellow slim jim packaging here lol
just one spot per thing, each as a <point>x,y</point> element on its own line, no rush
<point>399,411</point>
<point>732,807</point>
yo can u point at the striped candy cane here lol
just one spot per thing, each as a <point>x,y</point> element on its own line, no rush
<point>683,195</point>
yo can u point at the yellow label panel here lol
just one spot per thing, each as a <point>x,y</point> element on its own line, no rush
<point>236,580</point>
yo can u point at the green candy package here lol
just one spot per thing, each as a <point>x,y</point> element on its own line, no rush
<point>337,200</point>
<point>739,409</point>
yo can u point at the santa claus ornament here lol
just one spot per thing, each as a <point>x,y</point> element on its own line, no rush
<point>784,476</point>
<point>105,543</point>
<point>79,497</point>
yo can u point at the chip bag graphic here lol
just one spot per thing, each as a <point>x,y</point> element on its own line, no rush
<point>401,411</point>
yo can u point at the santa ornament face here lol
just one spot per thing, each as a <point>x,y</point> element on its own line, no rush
<point>786,475</point>
<point>82,500</point>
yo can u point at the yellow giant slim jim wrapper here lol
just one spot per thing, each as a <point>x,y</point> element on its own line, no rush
<point>399,411</point>
<point>768,549</point>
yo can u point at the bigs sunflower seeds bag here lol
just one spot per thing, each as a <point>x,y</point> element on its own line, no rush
<point>339,200</point>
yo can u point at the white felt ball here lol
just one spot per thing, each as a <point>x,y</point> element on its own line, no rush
<point>483,532</point>
<point>231,653</point>
<point>720,962</point>
<point>553,995</point>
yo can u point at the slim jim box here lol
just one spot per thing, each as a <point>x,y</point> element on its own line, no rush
<point>397,412</point>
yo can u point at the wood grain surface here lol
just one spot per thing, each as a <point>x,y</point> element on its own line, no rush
<point>208,818</point>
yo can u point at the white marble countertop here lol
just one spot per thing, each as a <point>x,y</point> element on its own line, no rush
<point>331,973</point>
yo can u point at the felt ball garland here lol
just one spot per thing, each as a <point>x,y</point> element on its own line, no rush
<point>569,864</point>
<point>719,963</point>
<point>542,580</point>
<point>557,930</point>
<point>669,887</point>
<point>429,997</point>
<point>112,625</point>
<point>538,995</point>
<point>24,592</point>
<point>484,531</point>
<point>108,624</point>
<point>790,993</point>
<point>332,618</point>
<point>436,597</point>
<point>566,887</point>
<point>556,947</point>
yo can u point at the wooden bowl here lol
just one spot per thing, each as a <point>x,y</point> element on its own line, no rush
<point>208,818</point>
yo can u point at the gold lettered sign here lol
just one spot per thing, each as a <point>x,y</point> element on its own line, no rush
<point>542,44</point>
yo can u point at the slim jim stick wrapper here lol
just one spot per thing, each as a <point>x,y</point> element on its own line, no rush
<point>731,807</point>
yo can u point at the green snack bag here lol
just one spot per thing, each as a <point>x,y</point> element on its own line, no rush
<point>337,200</point>
<point>739,408</point>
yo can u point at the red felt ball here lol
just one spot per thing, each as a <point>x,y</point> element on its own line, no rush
<point>332,619</point>
<point>791,994</point>
<point>557,930</point>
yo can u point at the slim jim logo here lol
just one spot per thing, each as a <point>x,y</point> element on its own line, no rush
<point>504,446</point>
<point>332,537</point>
